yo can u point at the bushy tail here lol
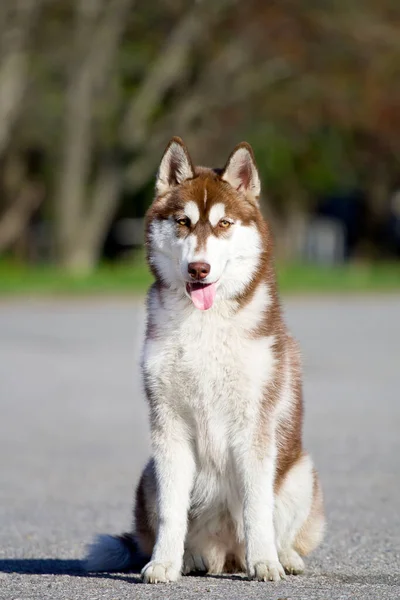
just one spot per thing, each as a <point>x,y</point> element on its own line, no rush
<point>114,553</point>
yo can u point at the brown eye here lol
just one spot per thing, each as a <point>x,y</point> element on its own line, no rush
<point>184,222</point>
<point>224,223</point>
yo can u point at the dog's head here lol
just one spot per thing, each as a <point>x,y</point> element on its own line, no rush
<point>204,229</point>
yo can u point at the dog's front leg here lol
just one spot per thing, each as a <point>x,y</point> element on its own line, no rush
<point>258,507</point>
<point>174,467</point>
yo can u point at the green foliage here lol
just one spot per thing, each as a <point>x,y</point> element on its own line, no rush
<point>317,163</point>
<point>276,155</point>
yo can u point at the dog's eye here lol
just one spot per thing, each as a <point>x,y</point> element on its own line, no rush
<point>184,222</point>
<point>224,223</point>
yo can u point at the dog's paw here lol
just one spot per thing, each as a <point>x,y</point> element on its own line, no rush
<point>268,571</point>
<point>193,563</point>
<point>158,572</point>
<point>291,562</point>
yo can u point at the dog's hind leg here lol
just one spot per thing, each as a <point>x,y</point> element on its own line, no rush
<point>298,515</point>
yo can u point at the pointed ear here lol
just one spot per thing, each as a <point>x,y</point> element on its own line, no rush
<point>241,171</point>
<point>176,166</point>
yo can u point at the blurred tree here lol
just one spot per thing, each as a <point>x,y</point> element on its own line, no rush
<point>100,85</point>
<point>17,18</point>
<point>85,204</point>
<point>20,196</point>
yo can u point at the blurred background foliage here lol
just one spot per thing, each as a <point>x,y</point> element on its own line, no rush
<point>92,90</point>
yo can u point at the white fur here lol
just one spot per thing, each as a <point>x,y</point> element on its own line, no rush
<point>182,366</point>
<point>175,469</point>
<point>292,507</point>
<point>217,212</point>
<point>192,212</point>
<point>160,572</point>
<point>236,259</point>
<point>251,315</point>
<point>107,553</point>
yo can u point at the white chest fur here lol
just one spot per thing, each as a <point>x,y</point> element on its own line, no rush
<point>209,369</point>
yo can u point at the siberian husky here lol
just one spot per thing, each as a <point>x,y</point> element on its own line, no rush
<point>229,487</point>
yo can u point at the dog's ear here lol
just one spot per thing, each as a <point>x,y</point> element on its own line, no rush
<point>176,166</point>
<point>241,171</point>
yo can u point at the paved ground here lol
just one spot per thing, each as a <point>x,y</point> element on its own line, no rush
<point>73,437</point>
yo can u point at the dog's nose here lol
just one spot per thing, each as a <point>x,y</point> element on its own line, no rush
<point>198,270</point>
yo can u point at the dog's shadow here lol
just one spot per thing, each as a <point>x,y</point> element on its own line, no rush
<point>74,568</point>
<point>58,566</point>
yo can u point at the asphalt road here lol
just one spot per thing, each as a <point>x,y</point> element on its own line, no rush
<point>73,438</point>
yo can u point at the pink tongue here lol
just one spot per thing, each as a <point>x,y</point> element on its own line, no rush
<point>202,296</point>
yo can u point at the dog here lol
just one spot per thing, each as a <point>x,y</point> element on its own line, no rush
<point>229,487</point>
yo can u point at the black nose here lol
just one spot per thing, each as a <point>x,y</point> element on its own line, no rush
<point>198,270</point>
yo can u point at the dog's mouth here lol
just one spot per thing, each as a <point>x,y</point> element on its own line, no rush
<point>202,294</point>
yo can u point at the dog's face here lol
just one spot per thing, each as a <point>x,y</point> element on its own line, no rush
<point>204,227</point>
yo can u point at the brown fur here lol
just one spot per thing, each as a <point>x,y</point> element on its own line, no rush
<point>145,511</point>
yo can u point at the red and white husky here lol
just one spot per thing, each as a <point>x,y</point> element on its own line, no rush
<point>229,486</point>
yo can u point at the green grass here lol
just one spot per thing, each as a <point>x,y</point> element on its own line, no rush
<point>370,277</point>
<point>46,280</point>
<point>134,278</point>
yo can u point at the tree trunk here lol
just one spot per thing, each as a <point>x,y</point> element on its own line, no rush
<point>80,260</point>
<point>17,18</point>
<point>80,224</point>
<point>75,162</point>
<point>15,219</point>
<point>82,256</point>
